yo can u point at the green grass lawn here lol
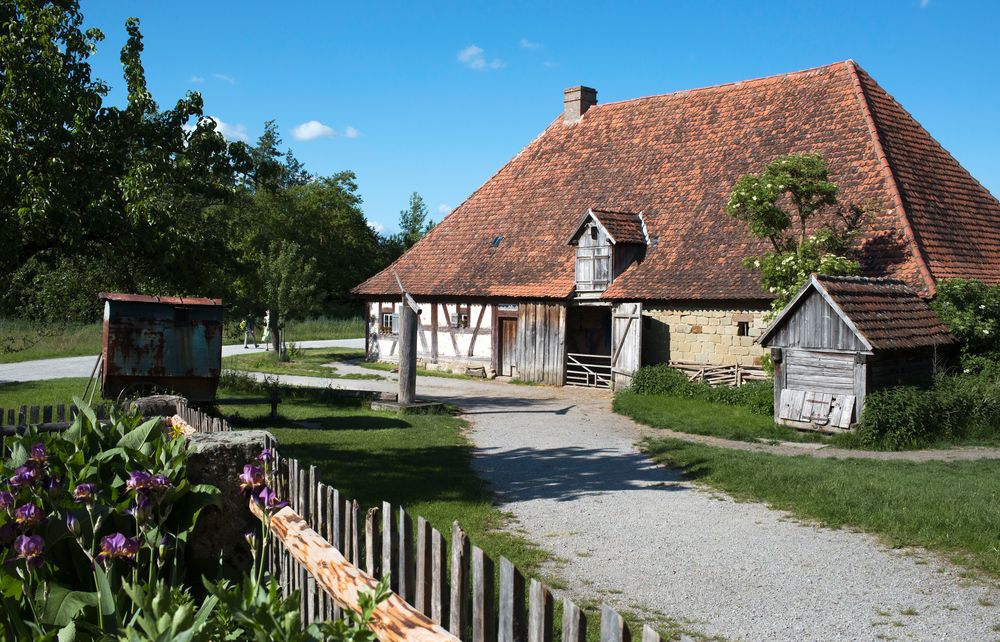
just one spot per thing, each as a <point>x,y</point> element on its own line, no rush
<point>704,418</point>
<point>385,366</point>
<point>311,362</point>
<point>949,507</point>
<point>28,340</point>
<point>42,393</point>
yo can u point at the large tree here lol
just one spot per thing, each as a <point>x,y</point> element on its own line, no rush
<point>793,204</point>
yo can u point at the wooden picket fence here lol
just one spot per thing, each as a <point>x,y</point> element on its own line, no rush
<point>328,548</point>
<point>732,375</point>
<point>60,416</point>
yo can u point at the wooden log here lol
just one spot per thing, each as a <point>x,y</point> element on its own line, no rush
<point>407,354</point>
<point>613,627</point>
<point>404,558</point>
<point>392,621</point>
<point>512,624</point>
<point>356,536</point>
<point>439,575</point>
<point>483,601</point>
<point>459,601</point>
<point>574,623</point>
<point>539,613</point>
<point>422,568</point>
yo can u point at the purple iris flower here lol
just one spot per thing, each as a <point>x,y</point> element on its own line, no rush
<point>140,506</point>
<point>269,500</point>
<point>160,482</point>
<point>29,515</point>
<point>24,476</point>
<point>30,549</point>
<point>72,524</point>
<point>266,456</point>
<point>138,480</point>
<point>38,453</point>
<point>6,500</point>
<point>117,546</point>
<point>85,493</point>
<point>252,478</point>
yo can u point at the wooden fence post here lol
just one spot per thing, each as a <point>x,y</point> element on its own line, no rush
<point>574,623</point>
<point>439,583</point>
<point>512,625</point>
<point>404,558</point>
<point>539,613</point>
<point>459,581</point>
<point>422,576</point>
<point>613,627</point>
<point>390,546</point>
<point>483,601</point>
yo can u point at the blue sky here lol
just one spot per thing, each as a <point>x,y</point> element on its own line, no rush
<point>435,97</point>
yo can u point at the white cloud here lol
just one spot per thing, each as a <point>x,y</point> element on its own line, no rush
<point>376,226</point>
<point>197,79</point>
<point>444,208</point>
<point>474,57</point>
<point>312,130</point>
<point>229,131</point>
<point>527,44</point>
<point>925,3</point>
<point>350,132</point>
<point>224,78</point>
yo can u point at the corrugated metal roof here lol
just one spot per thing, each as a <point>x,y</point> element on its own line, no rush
<point>145,298</point>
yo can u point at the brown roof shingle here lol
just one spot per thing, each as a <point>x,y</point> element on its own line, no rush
<point>888,313</point>
<point>623,227</point>
<point>674,158</point>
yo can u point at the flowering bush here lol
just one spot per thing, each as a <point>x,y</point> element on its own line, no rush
<point>85,514</point>
<point>972,310</point>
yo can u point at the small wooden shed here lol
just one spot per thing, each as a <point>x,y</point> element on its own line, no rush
<point>843,337</point>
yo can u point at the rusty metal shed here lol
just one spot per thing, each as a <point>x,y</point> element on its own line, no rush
<point>167,343</point>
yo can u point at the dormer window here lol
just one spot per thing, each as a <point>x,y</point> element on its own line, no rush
<point>606,244</point>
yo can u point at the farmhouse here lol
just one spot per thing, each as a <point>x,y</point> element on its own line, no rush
<point>604,244</point>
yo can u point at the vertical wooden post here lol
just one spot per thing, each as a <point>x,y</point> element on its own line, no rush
<point>539,613</point>
<point>390,546</point>
<point>371,542</point>
<point>407,354</point>
<point>574,623</point>
<point>405,556</point>
<point>649,635</point>
<point>434,334</point>
<point>483,605</point>
<point>512,624</point>
<point>439,583</point>
<point>459,581</point>
<point>422,577</point>
<point>613,627</point>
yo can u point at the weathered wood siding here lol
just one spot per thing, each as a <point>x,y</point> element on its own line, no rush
<point>901,368</point>
<point>541,342</point>
<point>827,372</point>
<point>815,324</point>
<point>626,342</point>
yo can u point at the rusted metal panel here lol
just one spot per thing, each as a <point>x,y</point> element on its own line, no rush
<point>172,343</point>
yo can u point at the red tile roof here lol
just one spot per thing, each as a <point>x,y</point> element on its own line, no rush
<point>887,313</point>
<point>674,158</point>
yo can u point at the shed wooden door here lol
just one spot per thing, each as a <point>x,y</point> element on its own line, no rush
<point>507,346</point>
<point>626,342</point>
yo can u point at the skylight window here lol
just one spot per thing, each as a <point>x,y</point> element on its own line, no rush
<point>496,241</point>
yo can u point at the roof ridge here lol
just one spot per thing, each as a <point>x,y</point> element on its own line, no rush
<point>915,246</point>
<point>751,82</point>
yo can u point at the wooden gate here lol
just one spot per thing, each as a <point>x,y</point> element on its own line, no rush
<point>626,342</point>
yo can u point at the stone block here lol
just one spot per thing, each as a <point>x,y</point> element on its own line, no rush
<point>218,458</point>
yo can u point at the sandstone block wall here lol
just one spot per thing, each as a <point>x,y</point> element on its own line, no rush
<point>704,336</point>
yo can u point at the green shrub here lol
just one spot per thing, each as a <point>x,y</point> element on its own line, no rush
<point>955,408</point>
<point>972,310</point>
<point>756,396</point>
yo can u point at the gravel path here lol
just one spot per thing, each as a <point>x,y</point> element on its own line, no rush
<point>624,531</point>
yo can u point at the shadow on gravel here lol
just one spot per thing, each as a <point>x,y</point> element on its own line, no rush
<point>564,474</point>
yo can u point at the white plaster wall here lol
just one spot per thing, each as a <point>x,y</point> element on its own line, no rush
<point>453,343</point>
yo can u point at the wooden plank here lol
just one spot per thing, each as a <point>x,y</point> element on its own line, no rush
<point>459,602</point>
<point>356,536</point>
<point>439,575</point>
<point>371,542</point>
<point>539,613</point>
<point>613,627</point>
<point>483,601</point>
<point>390,546</point>
<point>404,558</point>
<point>422,577</point>
<point>574,623</point>
<point>46,414</point>
<point>512,623</point>
<point>392,621</point>
<point>475,332</point>
<point>434,334</point>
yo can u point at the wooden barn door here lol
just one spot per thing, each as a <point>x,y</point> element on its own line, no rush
<point>626,342</point>
<point>507,346</point>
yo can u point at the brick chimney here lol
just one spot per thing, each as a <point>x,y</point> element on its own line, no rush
<point>576,101</point>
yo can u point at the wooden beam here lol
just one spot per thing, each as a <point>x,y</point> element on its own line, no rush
<point>393,620</point>
<point>475,333</point>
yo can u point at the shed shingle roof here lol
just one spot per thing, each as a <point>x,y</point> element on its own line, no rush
<point>887,313</point>
<point>624,227</point>
<point>675,157</point>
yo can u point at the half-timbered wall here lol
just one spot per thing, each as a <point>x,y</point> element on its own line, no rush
<point>541,344</point>
<point>451,335</point>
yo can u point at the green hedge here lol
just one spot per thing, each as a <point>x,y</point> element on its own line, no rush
<point>955,408</point>
<point>757,396</point>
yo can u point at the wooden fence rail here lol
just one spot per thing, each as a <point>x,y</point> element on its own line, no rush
<point>61,416</point>
<point>446,588</point>
<point>732,375</point>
